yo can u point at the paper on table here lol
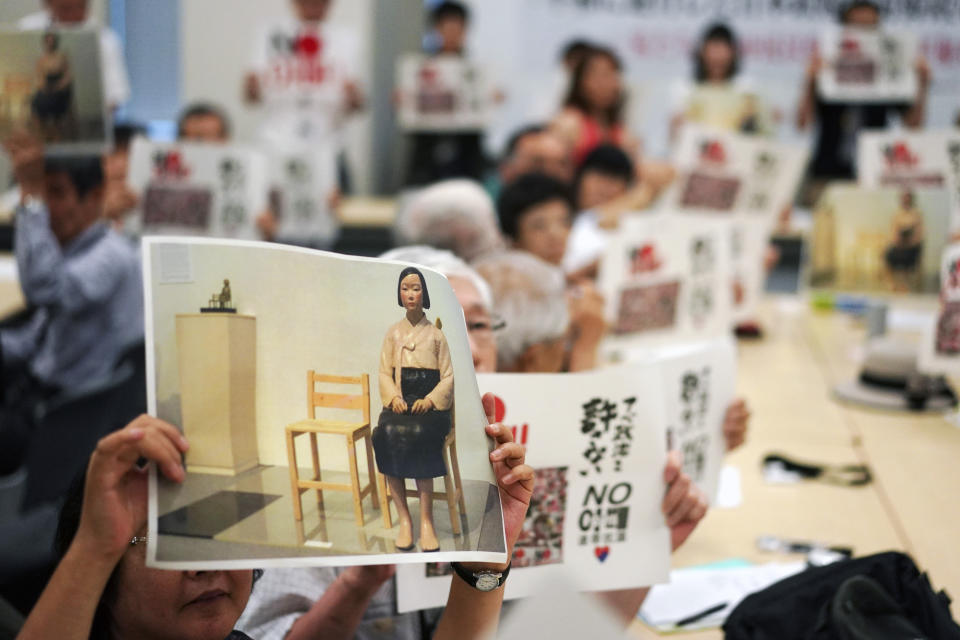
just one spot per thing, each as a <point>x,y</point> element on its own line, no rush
<point>693,590</point>
<point>729,494</point>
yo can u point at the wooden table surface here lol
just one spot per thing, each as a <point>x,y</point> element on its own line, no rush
<point>913,505</point>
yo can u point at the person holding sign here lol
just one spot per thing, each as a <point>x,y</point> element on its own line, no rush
<point>719,97</point>
<point>304,73</point>
<point>82,278</point>
<point>102,587</point>
<point>839,122</point>
<point>440,155</point>
<point>593,111</point>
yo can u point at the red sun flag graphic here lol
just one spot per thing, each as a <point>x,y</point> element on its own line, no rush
<point>713,151</point>
<point>308,45</point>
<point>499,409</point>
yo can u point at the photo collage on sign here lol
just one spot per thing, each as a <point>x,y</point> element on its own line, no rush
<point>441,93</point>
<point>867,65</point>
<point>940,345</point>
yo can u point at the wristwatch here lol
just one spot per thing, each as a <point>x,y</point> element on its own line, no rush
<point>485,580</point>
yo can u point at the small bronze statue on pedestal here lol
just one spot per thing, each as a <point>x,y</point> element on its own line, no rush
<point>221,302</point>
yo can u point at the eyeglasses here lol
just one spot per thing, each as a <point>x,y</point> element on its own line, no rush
<point>484,329</point>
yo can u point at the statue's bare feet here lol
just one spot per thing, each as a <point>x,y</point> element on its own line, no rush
<point>428,537</point>
<point>405,535</point>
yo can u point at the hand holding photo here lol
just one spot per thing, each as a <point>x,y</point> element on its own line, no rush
<point>231,378</point>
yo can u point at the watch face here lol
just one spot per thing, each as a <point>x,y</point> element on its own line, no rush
<point>488,582</point>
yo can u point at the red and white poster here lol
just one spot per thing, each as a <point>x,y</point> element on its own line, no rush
<point>441,93</point>
<point>867,65</point>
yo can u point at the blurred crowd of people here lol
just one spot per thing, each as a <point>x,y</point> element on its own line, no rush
<point>519,239</point>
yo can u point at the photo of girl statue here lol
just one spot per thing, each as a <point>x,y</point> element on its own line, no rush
<point>52,102</point>
<point>416,388</point>
<point>903,254</point>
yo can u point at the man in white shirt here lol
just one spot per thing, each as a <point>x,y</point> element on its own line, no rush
<point>75,13</point>
<point>304,73</point>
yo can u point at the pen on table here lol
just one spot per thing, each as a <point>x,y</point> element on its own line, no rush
<point>701,615</point>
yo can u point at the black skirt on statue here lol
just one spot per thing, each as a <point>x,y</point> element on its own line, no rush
<point>408,445</point>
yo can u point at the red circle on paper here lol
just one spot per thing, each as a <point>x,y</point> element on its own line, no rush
<point>308,45</point>
<point>499,409</point>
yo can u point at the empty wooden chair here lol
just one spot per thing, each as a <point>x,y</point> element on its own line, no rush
<point>350,431</point>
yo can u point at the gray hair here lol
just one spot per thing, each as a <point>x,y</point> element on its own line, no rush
<point>444,262</point>
<point>457,215</point>
<point>530,296</point>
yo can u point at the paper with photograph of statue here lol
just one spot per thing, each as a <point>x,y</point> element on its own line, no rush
<point>200,189</point>
<point>912,160</point>
<point>318,393</point>
<point>51,84</point>
<point>886,239</point>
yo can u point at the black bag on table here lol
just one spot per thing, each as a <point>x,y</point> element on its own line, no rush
<point>879,597</point>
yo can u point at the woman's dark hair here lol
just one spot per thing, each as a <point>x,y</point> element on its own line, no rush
<point>52,35</point>
<point>423,285</point>
<point>720,32</point>
<point>847,8</point>
<point>84,172</point>
<point>576,96</point>
<point>574,49</point>
<point>526,192</point>
<point>445,10</point>
<point>607,160</point>
<point>203,109</point>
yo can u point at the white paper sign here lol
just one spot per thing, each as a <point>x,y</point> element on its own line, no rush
<point>940,346</point>
<point>599,449</point>
<point>912,160</point>
<point>700,384</point>
<point>197,189</point>
<point>683,392</point>
<point>867,65</point>
<point>667,277</point>
<point>302,183</point>
<point>441,93</point>
<point>721,172</point>
<point>749,241</point>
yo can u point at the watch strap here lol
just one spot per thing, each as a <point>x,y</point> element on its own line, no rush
<point>482,580</point>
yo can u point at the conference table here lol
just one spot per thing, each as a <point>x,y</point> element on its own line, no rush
<point>787,378</point>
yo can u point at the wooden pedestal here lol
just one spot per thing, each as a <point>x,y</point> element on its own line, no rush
<point>218,381</point>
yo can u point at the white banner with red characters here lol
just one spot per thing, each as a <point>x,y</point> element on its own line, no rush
<point>197,189</point>
<point>720,172</point>
<point>940,347</point>
<point>867,66</point>
<point>441,93</point>
<point>666,278</point>
<point>912,160</point>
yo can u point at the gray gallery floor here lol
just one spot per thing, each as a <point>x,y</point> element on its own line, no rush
<point>251,516</point>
